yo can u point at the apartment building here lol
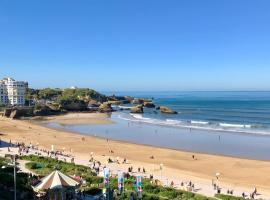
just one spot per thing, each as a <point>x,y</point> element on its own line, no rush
<point>12,92</point>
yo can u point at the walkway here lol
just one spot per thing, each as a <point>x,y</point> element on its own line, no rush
<point>202,186</point>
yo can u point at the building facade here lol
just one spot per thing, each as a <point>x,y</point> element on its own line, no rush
<point>12,92</point>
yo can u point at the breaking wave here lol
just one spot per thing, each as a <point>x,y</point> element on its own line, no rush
<point>193,124</point>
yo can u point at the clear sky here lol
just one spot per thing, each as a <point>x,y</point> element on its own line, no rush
<point>137,44</point>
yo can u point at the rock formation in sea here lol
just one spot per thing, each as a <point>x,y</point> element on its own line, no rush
<point>137,109</point>
<point>167,110</point>
<point>105,107</point>
<point>149,104</point>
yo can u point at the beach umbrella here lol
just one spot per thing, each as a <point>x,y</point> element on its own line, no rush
<point>56,180</point>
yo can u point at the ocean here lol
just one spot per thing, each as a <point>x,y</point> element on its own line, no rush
<point>225,123</point>
<point>247,112</point>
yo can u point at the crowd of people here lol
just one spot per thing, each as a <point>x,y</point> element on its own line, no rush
<point>96,165</point>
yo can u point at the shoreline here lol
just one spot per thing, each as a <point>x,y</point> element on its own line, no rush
<point>147,145</point>
<point>235,145</point>
<point>236,172</point>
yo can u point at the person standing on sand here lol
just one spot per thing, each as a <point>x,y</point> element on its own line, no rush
<point>255,191</point>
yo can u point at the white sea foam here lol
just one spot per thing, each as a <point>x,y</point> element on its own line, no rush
<point>235,125</point>
<point>200,125</point>
<point>139,116</point>
<point>122,107</point>
<point>199,122</point>
<point>173,121</point>
<point>125,107</point>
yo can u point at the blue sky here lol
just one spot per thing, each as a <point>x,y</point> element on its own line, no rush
<point>137,45</point>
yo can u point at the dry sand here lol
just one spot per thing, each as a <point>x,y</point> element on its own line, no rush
<point>235,172</point>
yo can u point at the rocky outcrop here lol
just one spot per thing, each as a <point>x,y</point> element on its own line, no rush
<point>7,112</point>
<point>149,104</point>
<point>93,103</point>
<point>129,99</point>
<point>38,110</point>
<point>14,114</point>
<point>137,101</point>
<point>116,98</point>
<point>54,107</point>
<point>46,110</point>
<point>167,110</point>
<point>137,109</point>
<point>141,101</point>
<point>75,106</point>
<point>17,113</point>
<point>115,102</point>
<point>105,107</point>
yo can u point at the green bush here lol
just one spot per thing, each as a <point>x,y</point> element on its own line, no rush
<point>32,165</point>
<point>94,179</point>
<point>47,165</point>
<point>228,197</point>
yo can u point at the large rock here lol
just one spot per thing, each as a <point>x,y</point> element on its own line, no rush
<point>7,112</point>
<point>93,103</point>
<point>167,110</point>
<point>14,114</point>
<point>46,110</point>
<point>115,102</point>
<point>105,107</point>
<point>129,99</point>
<point>116,98</point>
<point>75,106</point>
<point>137,109</point>
<point>54,107</point>
<point>137,101</point>
<point>17,113</point>
<point>148,104</point>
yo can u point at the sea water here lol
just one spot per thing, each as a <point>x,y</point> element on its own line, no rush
<point>226,123</point>
<point>247,112</point>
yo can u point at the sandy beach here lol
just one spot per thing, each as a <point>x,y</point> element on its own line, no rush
<point>235,172</point>
<point>80,118</point>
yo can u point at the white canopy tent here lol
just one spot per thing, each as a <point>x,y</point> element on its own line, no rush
<point>56,180</point>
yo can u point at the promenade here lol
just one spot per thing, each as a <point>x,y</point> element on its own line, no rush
<point>159,173</point>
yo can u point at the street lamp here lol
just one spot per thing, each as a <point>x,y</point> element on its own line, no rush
<point>161,167</point>
<point>217,177</point>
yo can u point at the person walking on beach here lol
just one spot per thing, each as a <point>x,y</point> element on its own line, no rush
<point>255,191</point>
<point>172,184</point>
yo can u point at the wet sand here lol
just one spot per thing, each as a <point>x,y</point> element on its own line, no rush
<point>79,118</point>
<point>235,172</point>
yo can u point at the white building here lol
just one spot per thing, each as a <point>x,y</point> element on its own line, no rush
<point>12,92</point>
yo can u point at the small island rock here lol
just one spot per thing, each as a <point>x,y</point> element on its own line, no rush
<point>137,109</point>
<point>167,110</point>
